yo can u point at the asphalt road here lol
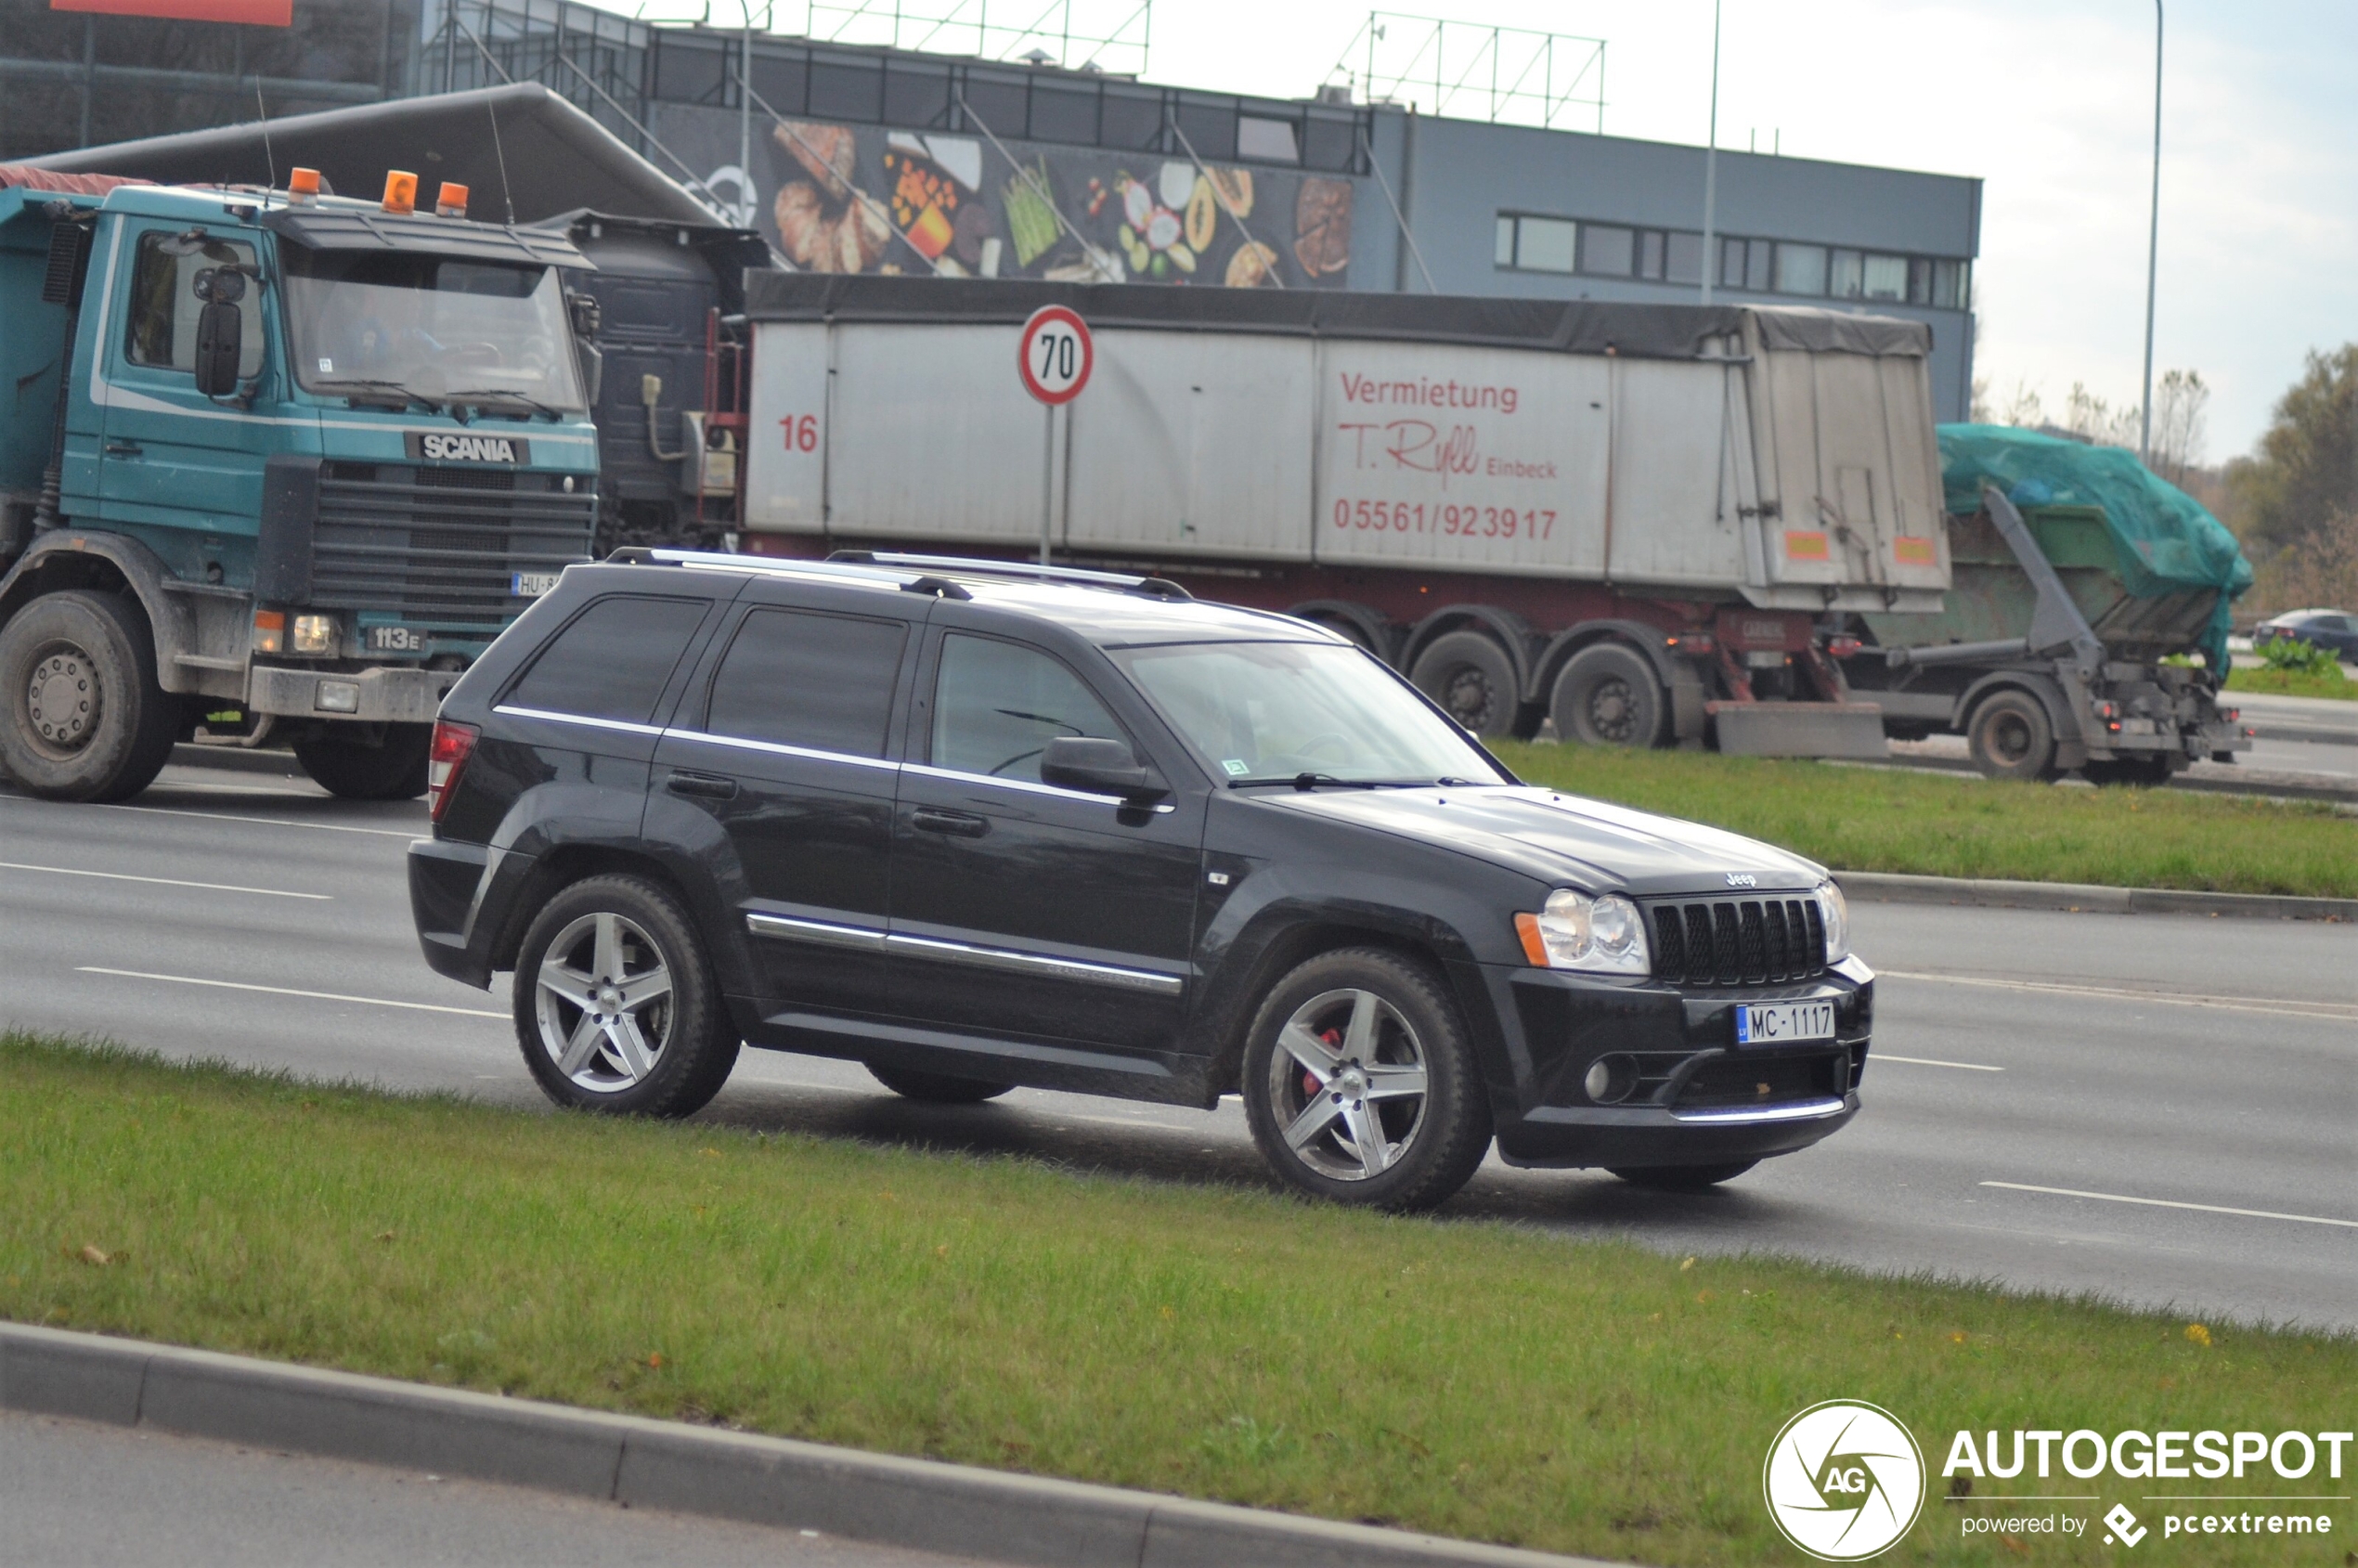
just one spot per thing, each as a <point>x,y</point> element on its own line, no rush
<point>74,1492</point>
<point>2156,1108</point>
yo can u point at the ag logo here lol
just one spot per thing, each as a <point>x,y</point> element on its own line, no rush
<point>1844,1480</point>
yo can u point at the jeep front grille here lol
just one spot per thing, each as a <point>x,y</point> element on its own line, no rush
<point>443,545</point>
<point>1736,941</point>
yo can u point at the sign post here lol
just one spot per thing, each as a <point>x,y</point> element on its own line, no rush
<point>1053,357</point>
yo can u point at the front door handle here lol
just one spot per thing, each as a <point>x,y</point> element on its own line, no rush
<point>123,448</point>
<point>959,824</point>
<point>708,786</point>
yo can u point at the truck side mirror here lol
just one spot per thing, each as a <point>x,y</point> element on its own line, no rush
<point>220,334</point>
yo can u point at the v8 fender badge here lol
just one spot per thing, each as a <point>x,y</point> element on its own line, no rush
<point>433,446</point>
<point>1743,879</point>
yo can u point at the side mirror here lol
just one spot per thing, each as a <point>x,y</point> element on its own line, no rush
<point>1100,767</point>
<point>593,371</point>
<point>586,315</point>
<point>220,334</point>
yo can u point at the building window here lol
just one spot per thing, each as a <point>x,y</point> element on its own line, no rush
<point>1063,115</point>
<point>1505,256</point>
<point>1546,244</point>
<point>1650,253</point>
<point>1950,291</point>
<point>1271,141</point>
<point>1132,121</point>
<point>1682,258</point>
<point>1885,277</point>
<point>1801,269</point>
<point>1605,250</point>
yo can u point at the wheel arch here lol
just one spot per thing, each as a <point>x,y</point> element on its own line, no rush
<point>565,864</point>
<point>66,560</point>
<point>1381,631</point>
<point>1651,641</point>
<point>2043,687</point>
<point>1510,632</point>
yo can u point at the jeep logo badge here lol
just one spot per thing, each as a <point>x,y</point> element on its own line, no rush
<point>1743,879</point>
<point>430,446</point>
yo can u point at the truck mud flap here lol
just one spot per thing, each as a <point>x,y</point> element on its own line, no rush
<point>1851,729</point>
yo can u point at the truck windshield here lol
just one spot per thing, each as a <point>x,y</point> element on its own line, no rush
<point>368,323</point>
<point>1263,713</point>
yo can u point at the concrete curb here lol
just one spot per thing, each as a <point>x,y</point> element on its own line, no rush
<point>1891,887</point>
<point>642,1463</point>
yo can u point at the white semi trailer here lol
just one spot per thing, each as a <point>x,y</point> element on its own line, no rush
<point>1647,522</point>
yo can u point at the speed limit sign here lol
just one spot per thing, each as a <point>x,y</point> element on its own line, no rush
<point>1055,355</point>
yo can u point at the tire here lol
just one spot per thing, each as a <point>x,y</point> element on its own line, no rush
<point>1339,1014</point>
<point>1472,679</point>
<point>86,717</point>
<point>2142,772</point>
<point>936,1088</point>
<point>2010,737</point>
<point>1683,1178</point>
<point>598,930</point>
<point>341,760</point>
<point>1607,695</point>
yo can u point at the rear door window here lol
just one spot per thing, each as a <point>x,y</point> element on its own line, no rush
<point>802,678</point>
<point>612,660</point>
<point>998,705</point>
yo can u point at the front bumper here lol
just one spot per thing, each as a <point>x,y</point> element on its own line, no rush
<point>1699,1098</point>
<point>387,694</point>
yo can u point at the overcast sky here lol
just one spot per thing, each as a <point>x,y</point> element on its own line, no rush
<point>2050,102</point>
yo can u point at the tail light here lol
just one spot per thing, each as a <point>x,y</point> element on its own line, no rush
<point>453,744</point>
<point>1843,647</point>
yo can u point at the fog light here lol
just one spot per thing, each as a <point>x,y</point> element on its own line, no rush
<point>315,634</point>
<point>337,696</point>
<point>1611,1079</point>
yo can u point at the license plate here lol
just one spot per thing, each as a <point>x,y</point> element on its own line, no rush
<point>1783,1023</point>
<point>532,585</point>
<point>396,640</point>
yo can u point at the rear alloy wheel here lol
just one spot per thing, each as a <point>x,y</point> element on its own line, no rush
<point>1472,679</point>
<point>86,717</point>
<point>2010,737</point>
<point>347,760</point>
<point>615,1006</point>
<point>1683,1178</point>
<point>936,1088</point>
<point>1608,695</point>
<point>1360,1084</point>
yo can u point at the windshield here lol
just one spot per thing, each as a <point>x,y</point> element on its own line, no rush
<point>367,323</point>
<point>1273,712</point>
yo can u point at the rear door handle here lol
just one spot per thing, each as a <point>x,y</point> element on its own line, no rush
<point>123,448</point>
<point>960,825</point>
<point>709,786</point>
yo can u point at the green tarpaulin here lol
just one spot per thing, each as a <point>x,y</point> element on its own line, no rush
<point>2166,540</point>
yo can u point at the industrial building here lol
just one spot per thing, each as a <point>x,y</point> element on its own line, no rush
<point>866,159</point>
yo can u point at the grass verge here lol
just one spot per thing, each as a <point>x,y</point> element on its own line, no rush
<point>1475,1380</point>
<point>2329,682</point>
<point>1941,825</point>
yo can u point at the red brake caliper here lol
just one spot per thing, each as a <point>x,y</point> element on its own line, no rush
<point>1332,1040</point>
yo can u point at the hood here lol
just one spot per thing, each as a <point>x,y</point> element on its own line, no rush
<point>1566,839</point>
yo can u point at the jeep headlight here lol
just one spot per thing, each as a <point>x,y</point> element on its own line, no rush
<point>1835,909</point>
<point>1605,936</point>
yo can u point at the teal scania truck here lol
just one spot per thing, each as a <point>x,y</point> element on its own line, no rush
<point>273,464</point>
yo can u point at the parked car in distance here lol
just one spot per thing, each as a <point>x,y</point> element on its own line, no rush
<point>978,825</point>
<point>2324,628</point>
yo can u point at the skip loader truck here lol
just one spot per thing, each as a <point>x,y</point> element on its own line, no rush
<point>274,463</point>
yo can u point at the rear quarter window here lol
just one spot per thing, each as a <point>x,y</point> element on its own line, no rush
<point>612,660</point>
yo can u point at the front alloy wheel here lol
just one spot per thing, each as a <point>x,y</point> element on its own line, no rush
<point>1348,1082</point>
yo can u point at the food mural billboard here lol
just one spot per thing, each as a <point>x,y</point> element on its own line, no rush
<point>867,199</point>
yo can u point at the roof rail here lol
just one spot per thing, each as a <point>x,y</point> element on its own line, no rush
<point>1151,588</point>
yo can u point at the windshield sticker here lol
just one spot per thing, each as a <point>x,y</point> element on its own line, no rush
<point>327,366</point>
<point>1236,768</point>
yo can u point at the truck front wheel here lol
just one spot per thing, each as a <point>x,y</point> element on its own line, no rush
<point>1472,679</point>
<point>87,718</point>
<point>1608,695</point>
<point>350,761</point>
<point>2011,738</point>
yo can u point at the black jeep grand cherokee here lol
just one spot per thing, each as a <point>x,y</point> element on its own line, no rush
<point>978,825</point>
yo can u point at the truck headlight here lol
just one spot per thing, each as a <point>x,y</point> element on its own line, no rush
<point>1835,909</point>
<point>315,634</point>
<point>1604,936</point>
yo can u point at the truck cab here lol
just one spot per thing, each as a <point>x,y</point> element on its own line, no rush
<point>277,463</point>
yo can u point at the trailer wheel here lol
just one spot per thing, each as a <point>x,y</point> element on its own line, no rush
<point>1608,695</point>
<point>1472,679</point>
<point>2010,737</point>
<point>86,717</point>
<point>342,761</point>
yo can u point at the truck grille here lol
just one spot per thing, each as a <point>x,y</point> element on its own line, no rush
<point>1737,941</point>
<point>443,545</point>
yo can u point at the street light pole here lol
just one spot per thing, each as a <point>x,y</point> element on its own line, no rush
<point>745,118</point>
<point>1711,157</point>
<point>2153,257</point>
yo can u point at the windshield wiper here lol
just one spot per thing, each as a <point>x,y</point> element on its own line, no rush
<point>477,394</point>
<point>355,390</point>
<point>1313,781</point>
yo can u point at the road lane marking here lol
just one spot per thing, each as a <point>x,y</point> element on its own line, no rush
<point>2166,1203</point>
<point>2286,1006</point>
<point>283,990</point>
<point>1928,1061</point>
<point>165,881</point>
<point>226,817</point>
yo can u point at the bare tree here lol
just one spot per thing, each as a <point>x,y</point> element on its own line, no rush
<point>2023,409</point>
<point>2180,424</point>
